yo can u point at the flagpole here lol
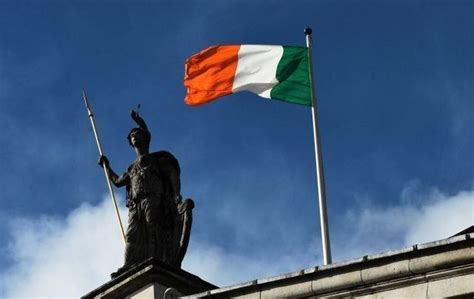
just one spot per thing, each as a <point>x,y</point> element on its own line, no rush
<point>318,157</point>
<point>99,146</point>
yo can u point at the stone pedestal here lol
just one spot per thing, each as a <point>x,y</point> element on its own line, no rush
<point>151,280</point>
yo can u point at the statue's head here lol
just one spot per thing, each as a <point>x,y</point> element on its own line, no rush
<point>139,137</point>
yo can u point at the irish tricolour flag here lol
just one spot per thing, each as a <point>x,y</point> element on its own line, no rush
<point>272,72</point>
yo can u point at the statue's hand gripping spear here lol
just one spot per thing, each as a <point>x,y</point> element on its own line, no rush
<point>101,153</point>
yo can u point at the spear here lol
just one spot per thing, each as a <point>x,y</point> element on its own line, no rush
<point>99,146</point>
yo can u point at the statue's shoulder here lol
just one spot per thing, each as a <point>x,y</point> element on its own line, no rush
<point>165,160</point>
<point>162,155</point>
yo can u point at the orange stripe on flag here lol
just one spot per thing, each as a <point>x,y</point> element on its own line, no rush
<point>210,73</point>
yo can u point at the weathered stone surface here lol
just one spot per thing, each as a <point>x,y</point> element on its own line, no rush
<point>409,291</point>
<point>454,286</point>
<point>150,273</point>
<point>291,290</point>
<point>322,283</point>
<point>385,271</point>
<point>439,260</point>
<point>235,291</point>
<point>255,295</point>
<point>152,290</point>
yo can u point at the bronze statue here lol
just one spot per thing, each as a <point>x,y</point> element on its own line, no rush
<point>159,222</point>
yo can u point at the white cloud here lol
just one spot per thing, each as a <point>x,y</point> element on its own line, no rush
<point>424,215</point>
<point>442,218</point>
<point>62,258</point>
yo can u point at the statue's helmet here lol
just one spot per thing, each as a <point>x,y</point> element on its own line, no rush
<point>146,135</point>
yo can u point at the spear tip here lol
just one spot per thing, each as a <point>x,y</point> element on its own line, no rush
<point>86,102</point>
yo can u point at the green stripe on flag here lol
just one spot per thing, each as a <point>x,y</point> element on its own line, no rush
<point>293,77</point>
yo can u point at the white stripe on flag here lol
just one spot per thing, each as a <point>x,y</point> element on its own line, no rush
<point>256,69</point>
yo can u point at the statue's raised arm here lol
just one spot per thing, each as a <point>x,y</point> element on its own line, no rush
<point>140,137</point>
<point>140,122</point>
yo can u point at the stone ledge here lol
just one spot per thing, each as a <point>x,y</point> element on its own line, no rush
<point>440,260</point>
<point>148,272</point>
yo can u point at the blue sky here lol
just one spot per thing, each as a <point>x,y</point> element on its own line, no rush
<point>395,92</point>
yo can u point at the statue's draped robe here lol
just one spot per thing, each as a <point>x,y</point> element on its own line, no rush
<point>159,223</point>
